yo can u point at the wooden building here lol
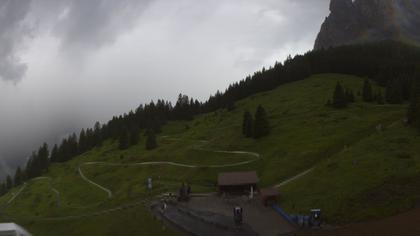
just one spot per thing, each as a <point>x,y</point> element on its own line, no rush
<point>269,195</point>
<point>237,182</point>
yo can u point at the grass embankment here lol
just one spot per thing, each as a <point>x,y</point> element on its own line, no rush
<point>304,133</point>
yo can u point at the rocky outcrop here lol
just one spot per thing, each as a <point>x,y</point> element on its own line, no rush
<point>357,21</point>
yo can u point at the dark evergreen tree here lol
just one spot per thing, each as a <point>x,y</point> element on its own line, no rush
<point>339,98</point>
<point>150,140</point>
<point>74,145</point>
<point>248,125</point>
<point>54,154</point>
<point>379,98</point>
<point>124,140</point>
<point>3,189</point>
<point>261,124</point>
<point>393,92</point>
<point>230,105</point>
<point>417,114</point>
<point>97,133</point>
<point>134,135</point>
<point>83,144</point>
<point>414,108</point>
<point>43,158</point>
<point>18,177</point>
<point>367,93</point>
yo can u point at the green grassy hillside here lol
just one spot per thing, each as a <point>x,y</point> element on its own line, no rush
<point>351,162</point>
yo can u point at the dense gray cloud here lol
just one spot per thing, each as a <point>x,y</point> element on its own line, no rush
<point>79,24</point>
<point>79,61</point>
<point>93,23</point>
<point>12,33</point>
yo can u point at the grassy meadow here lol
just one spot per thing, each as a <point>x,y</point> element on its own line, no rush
<point>352,162</point>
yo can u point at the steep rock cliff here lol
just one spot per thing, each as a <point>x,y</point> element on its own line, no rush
<point>357,21</point>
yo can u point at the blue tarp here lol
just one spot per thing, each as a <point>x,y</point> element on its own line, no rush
<point>278,209</point>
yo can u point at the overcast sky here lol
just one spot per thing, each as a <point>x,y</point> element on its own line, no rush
<point>67,63</point>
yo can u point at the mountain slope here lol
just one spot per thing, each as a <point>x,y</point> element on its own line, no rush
<point>304,134</point>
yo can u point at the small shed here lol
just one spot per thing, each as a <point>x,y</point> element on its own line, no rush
<point>12,229</point>
<point>237,182</point>
<point>269,195</point>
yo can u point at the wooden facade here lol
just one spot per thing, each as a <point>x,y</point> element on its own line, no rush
<point>237,182</point>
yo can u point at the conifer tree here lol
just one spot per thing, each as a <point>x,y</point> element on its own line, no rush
<point>414,108</point>
<point>83,146</point>
<point>261,124</point>
<point>367,93</point>
<point>247,125</point>
<point>379,98</point>
<point>97,134</point>
<point>43,158</point>
<point>417,116</point>
<point>54,154</point>
<point>339,97</point>
<point>124,141</point>
<point>3,189</point>
<point>230,105</point>
<point>150,140</point>
<point>393,92</point>
<point>18,177</point>
<point>134,135</point>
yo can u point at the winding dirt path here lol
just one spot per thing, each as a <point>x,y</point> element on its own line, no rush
<point>256,157</point>
<point>294,178</point>
<point>16,194</point>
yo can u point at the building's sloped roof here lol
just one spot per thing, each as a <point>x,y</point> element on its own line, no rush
<point>237,178</point>
<point>269,192</point>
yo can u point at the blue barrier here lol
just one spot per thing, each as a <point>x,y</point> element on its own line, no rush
<point>278,209</point>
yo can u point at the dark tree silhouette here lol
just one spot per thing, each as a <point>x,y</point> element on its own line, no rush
<point>367,92</point>
<point>261,124</point>
<point>150,140</point>
<point>414,108</point>
<point>339,97</point>
<point>124,140</point>
<point>134,135</point>
<point>247,125</point>
<point>3,188</point>
<point>18,177</point>
<point>379,98</point>
<point>393,92</point>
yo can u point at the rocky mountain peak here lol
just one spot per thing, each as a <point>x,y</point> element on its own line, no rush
<point>357,21</point>
<point>341,5</point>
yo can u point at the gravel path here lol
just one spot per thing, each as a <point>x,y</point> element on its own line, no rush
<point>256,157</point>
<point>16,194</point>
<point>294,178</point>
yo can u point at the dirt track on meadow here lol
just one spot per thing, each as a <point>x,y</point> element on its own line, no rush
<point>407,224</point>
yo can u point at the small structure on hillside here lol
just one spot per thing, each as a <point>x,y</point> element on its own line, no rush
<point>9,229</point>
<point>237,182</point>
<point>269,196</point>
